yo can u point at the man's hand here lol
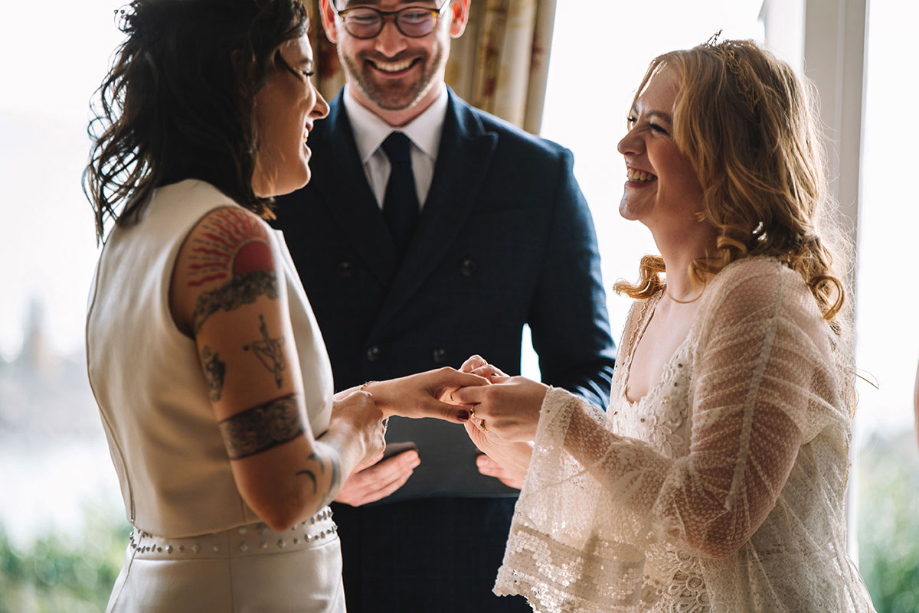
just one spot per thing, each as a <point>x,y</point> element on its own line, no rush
<point>378,480</point>
<point>490,468</point>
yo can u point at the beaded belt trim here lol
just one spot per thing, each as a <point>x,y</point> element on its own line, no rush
<point>252,539</point>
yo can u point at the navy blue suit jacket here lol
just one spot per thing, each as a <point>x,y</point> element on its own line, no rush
<point>505,238</point>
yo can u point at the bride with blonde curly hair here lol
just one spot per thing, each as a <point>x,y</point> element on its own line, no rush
<point>715,481</point>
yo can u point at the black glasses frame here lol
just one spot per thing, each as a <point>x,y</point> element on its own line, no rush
<point>384,15</point>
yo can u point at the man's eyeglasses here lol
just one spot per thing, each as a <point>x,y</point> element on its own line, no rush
<point>367,22</point>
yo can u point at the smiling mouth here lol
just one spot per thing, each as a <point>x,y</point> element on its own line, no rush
<point>638,176</point>
<point>393,67</point>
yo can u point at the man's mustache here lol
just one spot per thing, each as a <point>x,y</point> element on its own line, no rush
<point>399,57</point>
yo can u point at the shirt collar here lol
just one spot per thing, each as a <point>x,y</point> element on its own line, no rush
<point>370,130</point>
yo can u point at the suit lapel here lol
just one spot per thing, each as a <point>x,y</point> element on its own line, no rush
<point>338,175</point>
<point>463,158</point>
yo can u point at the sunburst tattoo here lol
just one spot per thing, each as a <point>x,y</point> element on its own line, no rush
<point>231,243</point>
<point>232,246</point>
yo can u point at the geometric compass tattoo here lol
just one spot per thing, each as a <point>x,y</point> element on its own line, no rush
<point>269,352</point>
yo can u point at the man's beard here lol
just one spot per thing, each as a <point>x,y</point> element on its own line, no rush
<point>393,97</point>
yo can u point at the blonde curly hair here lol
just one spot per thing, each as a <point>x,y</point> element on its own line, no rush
<point>748,125</point>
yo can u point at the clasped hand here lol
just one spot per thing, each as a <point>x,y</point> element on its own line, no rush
<point>503,419</point>
<point>508,408</point>
<point>499,412</point>
<point>422,395</point>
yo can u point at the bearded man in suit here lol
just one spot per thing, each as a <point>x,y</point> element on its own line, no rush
<point>431,231</point>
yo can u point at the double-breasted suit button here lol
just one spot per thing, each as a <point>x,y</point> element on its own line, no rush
<point>440,355</point>
<point>467,267</point>
<point>344,269</point>
<point>373,354</point>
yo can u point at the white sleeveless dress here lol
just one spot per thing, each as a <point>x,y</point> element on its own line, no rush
<point>196,545</point>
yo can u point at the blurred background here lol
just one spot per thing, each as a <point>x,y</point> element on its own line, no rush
<point>62,526</point>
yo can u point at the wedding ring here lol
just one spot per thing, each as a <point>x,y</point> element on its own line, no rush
<point>483,428</point>
<point>471,412</point>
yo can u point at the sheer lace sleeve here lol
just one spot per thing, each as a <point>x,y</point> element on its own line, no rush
<point>763,387</point>
<point>763,384</point>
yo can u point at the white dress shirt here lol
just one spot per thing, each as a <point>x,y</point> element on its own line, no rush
<point>424,131</point>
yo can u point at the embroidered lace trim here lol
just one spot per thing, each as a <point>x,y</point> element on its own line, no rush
<point>721,490</point>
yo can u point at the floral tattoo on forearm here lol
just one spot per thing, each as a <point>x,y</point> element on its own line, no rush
<point>262,427</point>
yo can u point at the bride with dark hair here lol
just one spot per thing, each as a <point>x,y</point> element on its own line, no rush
<point>210,373</point>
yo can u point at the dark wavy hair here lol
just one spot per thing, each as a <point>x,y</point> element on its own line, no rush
<point>178,101</point>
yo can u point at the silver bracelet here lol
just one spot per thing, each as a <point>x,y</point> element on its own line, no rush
<point>363,388</point>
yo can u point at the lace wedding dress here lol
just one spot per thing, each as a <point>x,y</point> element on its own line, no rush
<point>721,490</point>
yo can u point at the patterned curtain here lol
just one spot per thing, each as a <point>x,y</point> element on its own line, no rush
<point>500,64</point>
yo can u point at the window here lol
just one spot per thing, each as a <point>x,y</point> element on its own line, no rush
<point>599,54</point>
<point>55,471</point>
<point>887,331</point>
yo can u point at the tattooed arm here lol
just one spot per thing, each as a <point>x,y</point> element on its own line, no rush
<point>228,293</point>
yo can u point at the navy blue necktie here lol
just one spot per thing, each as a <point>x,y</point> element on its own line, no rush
<point>400,204</point>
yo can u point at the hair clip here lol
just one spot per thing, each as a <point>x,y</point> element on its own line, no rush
<point>123,18</point>
<point>725,51</point>
<point>713,39</point>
